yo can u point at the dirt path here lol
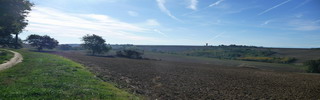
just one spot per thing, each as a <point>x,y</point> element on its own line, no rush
<point>13,61</point>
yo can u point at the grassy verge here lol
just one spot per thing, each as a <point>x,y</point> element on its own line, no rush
<point>46,76</point>
<point>5,56</point>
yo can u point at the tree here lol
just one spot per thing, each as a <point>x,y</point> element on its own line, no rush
<point>313,66</point>
<point>13,15</point>
<point>10,42</point>
<point>41,42</point>
<point>95,43</point>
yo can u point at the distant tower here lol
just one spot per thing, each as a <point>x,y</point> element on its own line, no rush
<point>207,44</point>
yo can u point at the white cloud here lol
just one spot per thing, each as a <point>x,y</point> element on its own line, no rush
<point>276,6</point>
<point>161,5</point>
<point>215,3</point>
<point>62,24</point>
<point>132,13</point>
<point>193,4</point>
<point>152,22</point>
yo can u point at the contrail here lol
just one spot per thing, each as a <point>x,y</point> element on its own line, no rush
<point>165,10</point>
<point>156,30</point>
<point>220,34</point>
<point>211,5</point>
<point>216,3</point>
<point>274,7</point>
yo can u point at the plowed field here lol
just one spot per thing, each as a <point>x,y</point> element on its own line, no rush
<point>163,80</point>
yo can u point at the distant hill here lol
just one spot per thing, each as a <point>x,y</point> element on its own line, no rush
<point>74,45</point>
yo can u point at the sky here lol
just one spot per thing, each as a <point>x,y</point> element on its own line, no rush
<point>268,23</point>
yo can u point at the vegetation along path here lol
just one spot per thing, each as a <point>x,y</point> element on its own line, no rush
<point>17,58</point>
<point>46,76</point>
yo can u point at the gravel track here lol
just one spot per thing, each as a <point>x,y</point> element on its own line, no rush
<point>13,61</point>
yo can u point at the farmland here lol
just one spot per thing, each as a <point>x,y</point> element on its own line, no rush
<point>297,55</point>
<point>167,76</point>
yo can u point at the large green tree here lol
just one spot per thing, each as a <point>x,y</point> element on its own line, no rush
<point>95,43</point>
<point>41,42</point>
<point>13,15</point>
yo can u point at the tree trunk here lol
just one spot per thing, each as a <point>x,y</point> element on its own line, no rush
<point>93,52</point>
<point>16,44</point>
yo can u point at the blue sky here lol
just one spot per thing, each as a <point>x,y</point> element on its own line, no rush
<point>269,23</point>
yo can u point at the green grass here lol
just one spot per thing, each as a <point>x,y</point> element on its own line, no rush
<point>46,76</point>
<point>5,56</point>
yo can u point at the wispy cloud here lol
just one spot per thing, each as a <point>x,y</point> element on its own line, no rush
<point>302,4</point>
<point>158,31</point>
<point>152,22</point>
<point>276,6</point>
<point>161,5</point>
<point>298,15</point>
<point>193,4</point>
<point>266,22</point>
<point>211,5</point>
<point>303,25</point>
<point>133,13</point>
<point>216,3</point>
<point>62,24</point>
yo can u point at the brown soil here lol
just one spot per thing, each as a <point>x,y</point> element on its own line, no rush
<point>189,80</point>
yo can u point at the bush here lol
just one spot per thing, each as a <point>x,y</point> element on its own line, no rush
<point>313,66</point>
<point>135,54</point>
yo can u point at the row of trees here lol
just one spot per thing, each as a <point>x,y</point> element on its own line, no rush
<point>13,15</point>
<point>94,43</point>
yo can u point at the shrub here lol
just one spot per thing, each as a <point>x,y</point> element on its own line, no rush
<point>128,53</point>
<point>313,66</point>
